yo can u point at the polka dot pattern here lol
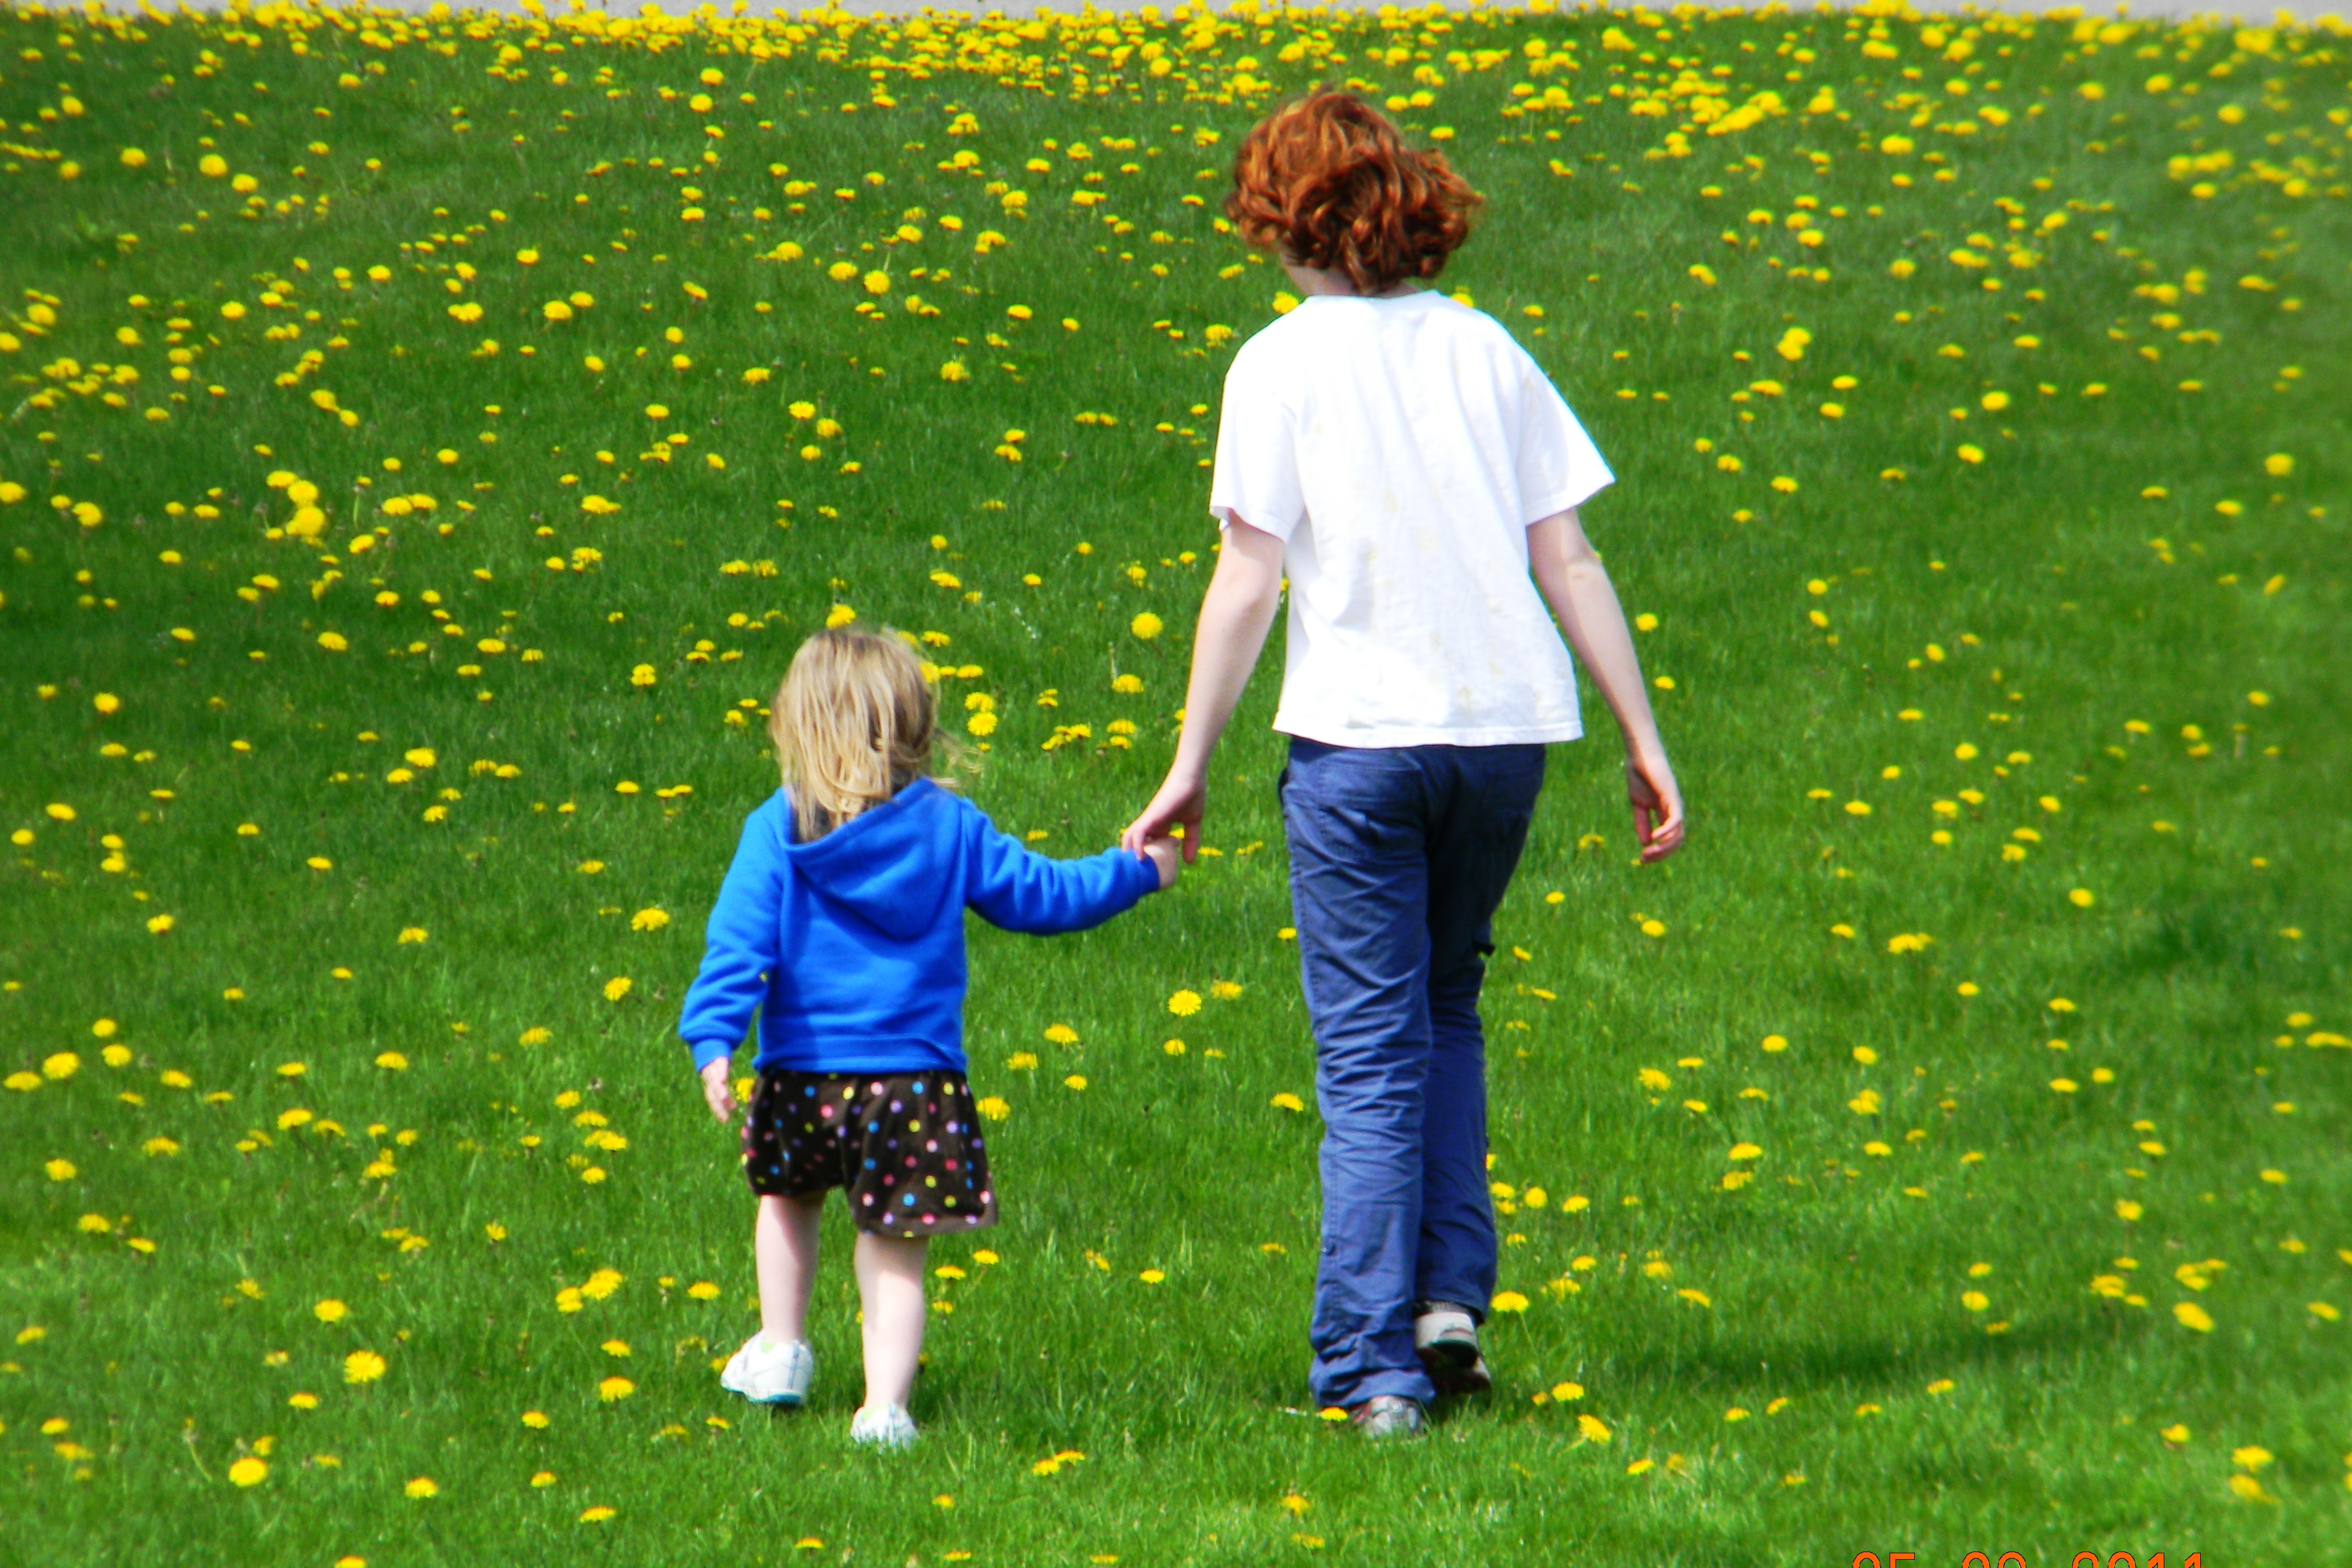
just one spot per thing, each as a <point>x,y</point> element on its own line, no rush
<point>905,1148</point>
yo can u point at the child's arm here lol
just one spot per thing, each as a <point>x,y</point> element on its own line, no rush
<point>1577,586</point>
<point>1018,891</point>
<point>743,945</point>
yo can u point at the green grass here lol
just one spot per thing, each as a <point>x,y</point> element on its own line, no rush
<point>2086,592</point>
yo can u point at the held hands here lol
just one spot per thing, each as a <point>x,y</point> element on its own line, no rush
<point>1180,802</point>
<point>717,1092</point>
<point>1657,802</point>
<point>1166,858</point>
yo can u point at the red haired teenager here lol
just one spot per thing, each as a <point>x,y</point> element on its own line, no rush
<point>1417,477</point>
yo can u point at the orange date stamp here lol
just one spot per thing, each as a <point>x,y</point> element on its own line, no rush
<point>2019,1560</point>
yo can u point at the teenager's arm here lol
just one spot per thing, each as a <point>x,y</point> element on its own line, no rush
<point>1235,615</point>
<point>1577,586</point>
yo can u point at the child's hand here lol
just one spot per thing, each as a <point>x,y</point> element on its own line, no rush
<point>1165,857</point>
<point>716,1092</point>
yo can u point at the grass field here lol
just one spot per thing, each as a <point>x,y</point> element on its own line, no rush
<point>426,440</point>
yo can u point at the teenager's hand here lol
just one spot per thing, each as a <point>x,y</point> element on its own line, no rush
<point>1181,801</point>
<point>717,1092</point>
<point>1657,803</point>
<point>1166,858</point>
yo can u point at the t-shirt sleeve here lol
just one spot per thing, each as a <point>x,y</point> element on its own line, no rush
<point>1558,465</point>
<point>1256,477</point>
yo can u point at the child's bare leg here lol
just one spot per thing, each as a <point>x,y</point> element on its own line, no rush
<point>890,1287</point>
<point>783,1254</point>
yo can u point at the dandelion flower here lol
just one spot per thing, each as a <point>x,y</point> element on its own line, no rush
<point>248,1471</point>
<point>362,1366</point>
<point>1184,1004</point>
<point>423,1487</point>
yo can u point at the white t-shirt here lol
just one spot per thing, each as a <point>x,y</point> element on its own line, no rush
<point>1400,448</point>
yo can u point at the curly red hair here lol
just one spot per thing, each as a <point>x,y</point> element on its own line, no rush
<point>1326,182</point>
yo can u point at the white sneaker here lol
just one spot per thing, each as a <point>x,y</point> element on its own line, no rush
<point>1446,1338</point>
<point>888,1428</point>
<point>768,1373</point>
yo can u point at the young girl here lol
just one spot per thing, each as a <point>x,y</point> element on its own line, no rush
<point>841,922</point>
<point>1408,465</point>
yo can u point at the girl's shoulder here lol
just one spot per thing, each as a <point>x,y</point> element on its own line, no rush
<point>1469,321</point>
<point>772,815</point>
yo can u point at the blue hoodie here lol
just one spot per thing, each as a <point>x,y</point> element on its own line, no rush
<point>851,946</point>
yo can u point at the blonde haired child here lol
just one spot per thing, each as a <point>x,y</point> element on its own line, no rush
<point>841,924</point>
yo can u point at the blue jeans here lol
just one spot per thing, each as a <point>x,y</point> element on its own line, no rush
<point>1398,859</point>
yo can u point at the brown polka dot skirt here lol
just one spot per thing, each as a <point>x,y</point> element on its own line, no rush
<point>905,1148</point>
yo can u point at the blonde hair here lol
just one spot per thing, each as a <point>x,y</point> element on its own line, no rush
<point>855,722</point>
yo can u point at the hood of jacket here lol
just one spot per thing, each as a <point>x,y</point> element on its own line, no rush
<point>891,865</point>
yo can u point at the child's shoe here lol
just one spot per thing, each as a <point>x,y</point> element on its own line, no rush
<point>888,1428</point>
<point>768,1373</point>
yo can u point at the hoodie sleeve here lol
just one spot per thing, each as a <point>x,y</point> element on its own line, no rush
<point>743,942</point>
<point>1012,888</point>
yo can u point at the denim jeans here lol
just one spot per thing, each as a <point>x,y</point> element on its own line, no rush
<point>1398,859</point>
